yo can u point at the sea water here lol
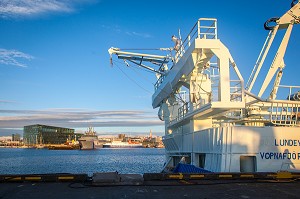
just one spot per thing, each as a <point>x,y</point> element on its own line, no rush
<point>44,161</point>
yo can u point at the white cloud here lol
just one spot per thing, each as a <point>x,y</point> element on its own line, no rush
<point>144,35</point>
<point>13,8</point>
<point>10,57</point>
<point>118,29</point>
<point>77,118</point>
<point>7,102</point>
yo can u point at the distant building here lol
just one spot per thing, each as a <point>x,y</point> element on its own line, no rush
<point>121,136</point>
<point>15,137</point>
<point>43,134</point>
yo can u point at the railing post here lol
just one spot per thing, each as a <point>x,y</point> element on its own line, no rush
<point>199,29</point>
<point>216,31</point>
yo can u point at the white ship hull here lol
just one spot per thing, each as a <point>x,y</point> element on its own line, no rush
<point>212,119</point>
<point>122,145</point>
<point>87,142</point>
<point>238,149</point>
<point>86,145</point>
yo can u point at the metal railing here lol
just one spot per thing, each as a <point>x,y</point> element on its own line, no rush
<point>284,113</point>
<point>236,91</point>
<point>183,110</point>
<point>158,82</point>
<point>291,91</point>
<point>204,28</point>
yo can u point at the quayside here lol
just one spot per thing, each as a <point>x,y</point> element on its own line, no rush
<point>213,119</point>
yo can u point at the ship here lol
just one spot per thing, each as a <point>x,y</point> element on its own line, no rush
<point>213,119</point>
<point>120,144</point>
<point>87,141</point>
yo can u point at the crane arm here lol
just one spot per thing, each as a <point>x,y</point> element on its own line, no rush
<point>290,17</point>
<point>287,21</point>
<point>277,61</point>
<point>139,58</point>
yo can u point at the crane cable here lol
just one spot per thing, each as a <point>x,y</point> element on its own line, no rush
<point>132,79</point>
<point>179,98</point>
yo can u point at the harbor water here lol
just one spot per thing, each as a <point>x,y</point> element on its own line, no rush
<point>44,161</point>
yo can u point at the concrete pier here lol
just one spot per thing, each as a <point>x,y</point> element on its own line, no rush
<point>166,186</point>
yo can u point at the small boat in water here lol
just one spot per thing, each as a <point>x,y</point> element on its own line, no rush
<point>40,146</point>
<point>120,144</point>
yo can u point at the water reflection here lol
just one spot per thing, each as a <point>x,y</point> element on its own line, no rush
<point>32,161</point>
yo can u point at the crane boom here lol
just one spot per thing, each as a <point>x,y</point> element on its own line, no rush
<point>139,58</point>
<point>287,22</point>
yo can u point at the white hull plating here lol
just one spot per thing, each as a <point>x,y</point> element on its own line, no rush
<point>238,148</point>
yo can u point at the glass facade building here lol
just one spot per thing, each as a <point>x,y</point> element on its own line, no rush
<point>43,134</point>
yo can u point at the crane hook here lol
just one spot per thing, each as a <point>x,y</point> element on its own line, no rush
<point>111,61</point>
<point>266,25</point>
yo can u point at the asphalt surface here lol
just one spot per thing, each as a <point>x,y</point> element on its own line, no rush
<point>152,189</point>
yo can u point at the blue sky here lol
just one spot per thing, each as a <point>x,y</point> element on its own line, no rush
<point>55,69</point>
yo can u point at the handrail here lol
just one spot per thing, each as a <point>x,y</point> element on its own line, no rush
<point>284,113</point>
<point>202,32</point>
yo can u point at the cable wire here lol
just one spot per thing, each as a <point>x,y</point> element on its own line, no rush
<point>179,98</point>
<point>132,80</point>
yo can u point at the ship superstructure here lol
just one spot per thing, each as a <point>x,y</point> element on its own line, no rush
<point>87,141</point>
<point>212,118</point>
